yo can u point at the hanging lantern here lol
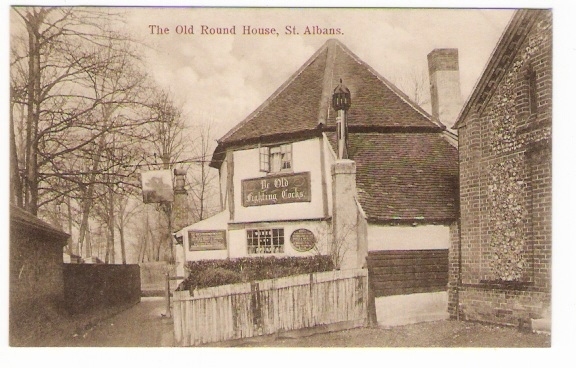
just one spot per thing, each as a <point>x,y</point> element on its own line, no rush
<point>341,99</point>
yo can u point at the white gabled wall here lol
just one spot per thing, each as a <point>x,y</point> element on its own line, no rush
<point>306,157</point>
<point>387,237</point>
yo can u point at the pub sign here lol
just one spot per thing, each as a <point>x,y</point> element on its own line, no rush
<point>206,239</point>
<point>276,189</point>
<point>157,186</point>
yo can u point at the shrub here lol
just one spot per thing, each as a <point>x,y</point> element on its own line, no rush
<point>210,273</point>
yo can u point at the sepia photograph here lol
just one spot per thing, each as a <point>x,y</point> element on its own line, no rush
<point>280,177</point>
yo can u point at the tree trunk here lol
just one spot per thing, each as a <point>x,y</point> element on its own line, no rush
<point>70,241</point>
<point>122,245</point>
<point>32,113</point>
<point>15,180</point>
<point>88,200</point>
<point>111,224</point>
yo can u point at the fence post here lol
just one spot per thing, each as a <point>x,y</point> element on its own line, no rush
<point>168,312</point>
<point>371,302</point>
<point>178,317</point>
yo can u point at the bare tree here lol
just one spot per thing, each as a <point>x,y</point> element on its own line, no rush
<point>415,84</point>
<point>165,131</point>
<point>202,177</point>
<point>49,56</point>
<point>76,87</point>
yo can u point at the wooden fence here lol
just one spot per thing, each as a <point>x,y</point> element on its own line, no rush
<point>396,272</point>
<point>270,306</point>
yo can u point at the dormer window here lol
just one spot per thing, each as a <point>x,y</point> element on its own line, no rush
<point>275,159</point>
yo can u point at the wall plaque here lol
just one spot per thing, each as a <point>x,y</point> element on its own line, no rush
<point>276,189</point>
<point>206,239</point>
<point>302,240</point>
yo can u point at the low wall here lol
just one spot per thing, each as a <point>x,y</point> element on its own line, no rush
<point>153,278</point>
<point>399,310</point>
<point>87,286</point>
<point>504,306</point>
<point>398,272</point>
<point>410,286</point>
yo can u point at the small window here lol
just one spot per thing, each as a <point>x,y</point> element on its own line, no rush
<point>265,159</point>
<point>276,158</point>
<point>265,241</point>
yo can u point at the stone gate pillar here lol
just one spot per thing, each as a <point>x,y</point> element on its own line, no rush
<point>345,219</point>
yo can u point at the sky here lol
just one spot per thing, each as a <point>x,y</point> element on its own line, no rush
<point>221,79</point>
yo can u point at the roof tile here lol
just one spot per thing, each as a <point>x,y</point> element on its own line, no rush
<point>295,106</point>
<point>405,176</point>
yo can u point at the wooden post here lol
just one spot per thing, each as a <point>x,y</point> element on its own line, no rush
<point>168,312</point>
<point>371,302</point>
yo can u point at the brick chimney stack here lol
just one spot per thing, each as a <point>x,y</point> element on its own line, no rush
<point>445,92</point>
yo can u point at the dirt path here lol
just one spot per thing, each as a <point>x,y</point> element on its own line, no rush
<point>143,325</point>
<point>140,326</point>
<point>428,334</point>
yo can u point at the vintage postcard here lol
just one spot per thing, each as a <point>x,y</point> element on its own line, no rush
<point>280,177</point>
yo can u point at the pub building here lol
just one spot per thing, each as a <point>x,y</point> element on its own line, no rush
<point>336,160</point>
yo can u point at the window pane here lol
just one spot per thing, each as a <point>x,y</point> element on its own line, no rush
<point>275,162</point>
<point>264,159</point>
<point>265,241</point>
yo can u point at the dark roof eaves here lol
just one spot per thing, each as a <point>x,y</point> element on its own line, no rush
<point>373,220</point>
<point>263,139</point>
<point>20,217</point>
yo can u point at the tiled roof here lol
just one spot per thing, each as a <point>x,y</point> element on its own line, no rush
<point>405,177</point>
<point>406,170</point>
<point>303,102</point>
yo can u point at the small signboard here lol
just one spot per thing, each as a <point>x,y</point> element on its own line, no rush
<point>303,240</point>
<point>206,239</point>
<point>276,189</point>
<point>157,186</point>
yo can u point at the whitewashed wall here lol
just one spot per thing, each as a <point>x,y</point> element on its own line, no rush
<point>305,158</point>
<point>381,237</point>
<point>319,229</point>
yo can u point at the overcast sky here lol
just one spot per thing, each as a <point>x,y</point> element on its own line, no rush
<point>223,78</point>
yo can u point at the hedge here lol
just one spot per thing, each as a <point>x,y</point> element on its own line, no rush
<point>210,273</point>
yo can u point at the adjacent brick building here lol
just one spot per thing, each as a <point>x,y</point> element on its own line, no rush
<point>501,268</point>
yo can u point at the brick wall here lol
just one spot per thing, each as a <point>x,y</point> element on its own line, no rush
<point>453,269</point>
<point>35,267</point>
<point>88,286</point>
<point>505,184</point>
<point>36,276</point>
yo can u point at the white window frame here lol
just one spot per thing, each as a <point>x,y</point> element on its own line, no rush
<point>275,159</point>
<point>265,241</point>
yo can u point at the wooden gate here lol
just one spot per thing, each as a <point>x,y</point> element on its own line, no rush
<point>397,272</point>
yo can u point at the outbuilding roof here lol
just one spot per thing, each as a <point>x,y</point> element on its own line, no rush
<point>405,177</point>
<point>26,222</point>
